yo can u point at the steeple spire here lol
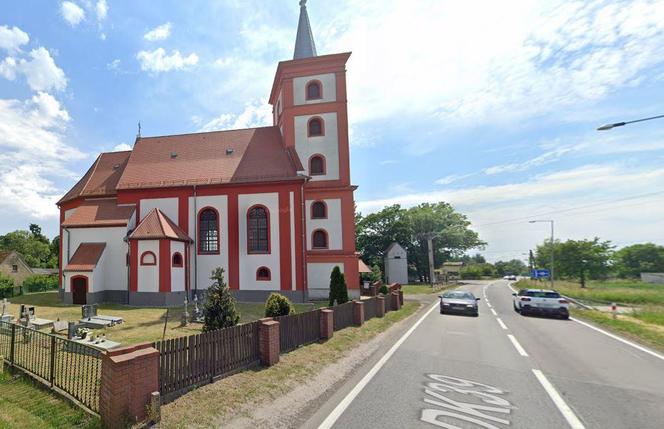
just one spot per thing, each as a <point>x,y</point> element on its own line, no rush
<point>304,43</point>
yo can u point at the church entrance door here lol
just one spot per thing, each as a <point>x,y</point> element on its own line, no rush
<point>79,288</point>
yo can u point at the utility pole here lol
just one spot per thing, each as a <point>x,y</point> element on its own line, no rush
<point>552,247</point>
<point>432,274</point>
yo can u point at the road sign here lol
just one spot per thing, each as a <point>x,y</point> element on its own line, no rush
<point>540,273</point>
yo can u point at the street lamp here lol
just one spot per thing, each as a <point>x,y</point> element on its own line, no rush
<point>552,248</point>
<point>620,124</point>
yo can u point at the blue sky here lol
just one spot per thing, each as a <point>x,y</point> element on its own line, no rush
<point>491,106</point>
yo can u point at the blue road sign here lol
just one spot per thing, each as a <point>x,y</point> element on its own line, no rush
<point>540,273</point>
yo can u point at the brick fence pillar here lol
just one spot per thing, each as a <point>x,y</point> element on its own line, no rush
<point>401,297</point>
<point>380,306</point>
<point>358,313</point>
<point>394,296</point>
<point>129,375</point>
<point>269,341</point>
<point>326,324</point>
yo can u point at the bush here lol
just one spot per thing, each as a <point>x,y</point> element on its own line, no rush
<point>219,310</point>
<point>6,286</point>
<point>384,290</point>
<point>278,305</point>
<point>338,289</point>
<point>40,283</point>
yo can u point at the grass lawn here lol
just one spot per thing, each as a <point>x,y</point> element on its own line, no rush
<point>27,405</point>
<point>421,289</point>
<point>234,396</point>
<point>141,324</point>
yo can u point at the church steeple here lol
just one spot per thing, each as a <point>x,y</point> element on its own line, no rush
<point>304,43</point>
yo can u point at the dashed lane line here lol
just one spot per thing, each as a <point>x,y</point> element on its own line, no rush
<point>494,312</point>
<point>560,403</point>
<point>517,346</point>
<point>500,322</point>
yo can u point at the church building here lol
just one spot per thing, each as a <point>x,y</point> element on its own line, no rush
<point>272,205</point>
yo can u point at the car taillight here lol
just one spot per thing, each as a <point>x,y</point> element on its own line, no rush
<point>525,298</point>
<point>563,301</point>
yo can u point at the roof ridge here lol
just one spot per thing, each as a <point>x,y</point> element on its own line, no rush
<point>162,219</point>
<point>205,132</point>
<point>92,173</point>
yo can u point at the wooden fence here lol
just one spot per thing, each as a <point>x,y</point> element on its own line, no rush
<point>388,303</point>
<point>297,330</point>
<point>200,359</point>
<point>370,308</point>
<point>343,315</point>
<point>72,367</point>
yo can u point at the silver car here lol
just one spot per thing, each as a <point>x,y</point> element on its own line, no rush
<point>458,301</point>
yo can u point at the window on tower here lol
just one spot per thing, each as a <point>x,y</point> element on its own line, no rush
<point>258,230</point>
<point>317,165</point>
<point>314,90</point>
<point>318,210</point>
<point>208,231</point>
<point>319,239</point>
<point>316,127</point>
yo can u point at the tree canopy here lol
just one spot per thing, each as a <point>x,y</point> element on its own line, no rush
<point>576,259</point>
<point>36,248</point>
<point>633,260</point>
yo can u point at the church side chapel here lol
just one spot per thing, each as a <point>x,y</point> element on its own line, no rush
<point>273,206</point>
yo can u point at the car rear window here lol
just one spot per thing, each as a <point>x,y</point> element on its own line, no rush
<point>541,294</point>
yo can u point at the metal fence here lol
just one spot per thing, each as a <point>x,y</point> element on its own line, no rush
<point>72,367</point>
<point>370,308</point>
<point>200,359</point>
<point>296,330</point>
<point>343,315</point>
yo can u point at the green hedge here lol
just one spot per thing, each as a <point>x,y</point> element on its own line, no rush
<point>6,286</point>
<point>40,283</point>
<point>278,305</point>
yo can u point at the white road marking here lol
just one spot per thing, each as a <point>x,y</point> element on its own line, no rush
<point>622,340</point>
<point>564,409</point>
<point>500,322</point>
<point>517,346</point>
<point>494,312</point>
<point>488,304</point>
<point>341,407</point>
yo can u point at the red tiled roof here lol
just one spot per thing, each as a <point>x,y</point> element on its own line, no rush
<point>157,225</point>
<point>362,266</point>
<point>102,177</point>
<point>86,257</point>
<point>99,213</point>
<point>234,156</point>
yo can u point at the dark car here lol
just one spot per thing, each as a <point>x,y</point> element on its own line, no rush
<point>460,302</point>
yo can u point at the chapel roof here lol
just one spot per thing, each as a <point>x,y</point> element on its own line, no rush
<point>86,257</point>
<point>101,178</point>
<point>157,225</point>
<point>99,213</point>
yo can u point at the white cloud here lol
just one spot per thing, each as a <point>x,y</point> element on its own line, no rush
<point>388,162</point>
<point>452,178</point>
<point>11,39</point>
<point>114,65</point>
<point>102,10</point>
<point>34,153</point>
<point>256,114</point>
<point>158,61</point>
<point>40,70</point>
<point>72,13</point>
<point>222,63</point>
<point>160,32</point>
<point>122,147</point>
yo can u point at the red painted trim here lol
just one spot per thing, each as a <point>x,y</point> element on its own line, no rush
<point>187,269</point>
<point>321,156</point>
<point>198,232</point>
<point>300,239</point>
<point>312,209</point>
<point>71,282</point>
<point>133,266</point>
<point>320,90</point>
<point>285,241</point>
<point>183,213</point>
<point>147,253</point>
<point>233,242</point>
<point>174,263</point>
<point>269,231</point>
<point>264,279</point>
<point>327,239</point>
<point>164,265</point>
<point>322,126</point>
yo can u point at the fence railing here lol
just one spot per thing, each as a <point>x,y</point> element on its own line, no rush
<point>199,359</point>
<point>72,367</point>
<point>370,308</point>
<point>343,315</point>
<point>299,329</point>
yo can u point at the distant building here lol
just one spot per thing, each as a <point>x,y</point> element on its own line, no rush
<point>13,265</point>
<point>396,264</point>
<point>451,271</point>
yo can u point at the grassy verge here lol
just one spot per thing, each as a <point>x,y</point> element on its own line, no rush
<point>647,334</point>
<point>24,404</point>
<point>233,396</point>
<point>619,291</point>
<point>422,289</point>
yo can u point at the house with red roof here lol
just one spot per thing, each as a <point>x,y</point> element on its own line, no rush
<point>272,205</point>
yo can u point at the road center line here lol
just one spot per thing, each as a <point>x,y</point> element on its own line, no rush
<point>488,304</point>
<point>517,346</point>
<point>560,403</point>
<point>616,337</point>
<point>346,401</point>
<point>500,322</point>
<point>494,312</point>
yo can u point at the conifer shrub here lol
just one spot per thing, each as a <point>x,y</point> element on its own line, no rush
<point>278,305</point>
<point>338,289</point>
<point>219,309</point>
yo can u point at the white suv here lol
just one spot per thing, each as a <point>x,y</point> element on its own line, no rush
<point>540,301</point>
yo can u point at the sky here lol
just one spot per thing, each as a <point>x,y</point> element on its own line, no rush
<point>491,106</point>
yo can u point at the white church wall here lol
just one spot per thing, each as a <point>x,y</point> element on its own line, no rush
<point>249,263</point>
<point>202,265</point>
<point>318,278</point>
<point>177,273</point>
<point>328,81</point>
<point>148,275</point>
<point>167,205</point>
<point>326,145</point>
<point>332,224</point>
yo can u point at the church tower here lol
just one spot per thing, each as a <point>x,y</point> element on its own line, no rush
<point>310,108</point>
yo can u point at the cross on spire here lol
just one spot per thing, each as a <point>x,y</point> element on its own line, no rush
<point>304,42</point>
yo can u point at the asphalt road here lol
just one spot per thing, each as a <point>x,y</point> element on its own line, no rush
<point>466,372</point>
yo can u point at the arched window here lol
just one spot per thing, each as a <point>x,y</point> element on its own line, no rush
<point>317,165</point>
<point>318,210</point>
<point>314,90</point>
<point>177,260</point>
<point>263,274</point>
<point>148,258</point>
<point>319,239</point>
<point>315,127</point>
<point>208,231</point>
<point>258,230</point>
